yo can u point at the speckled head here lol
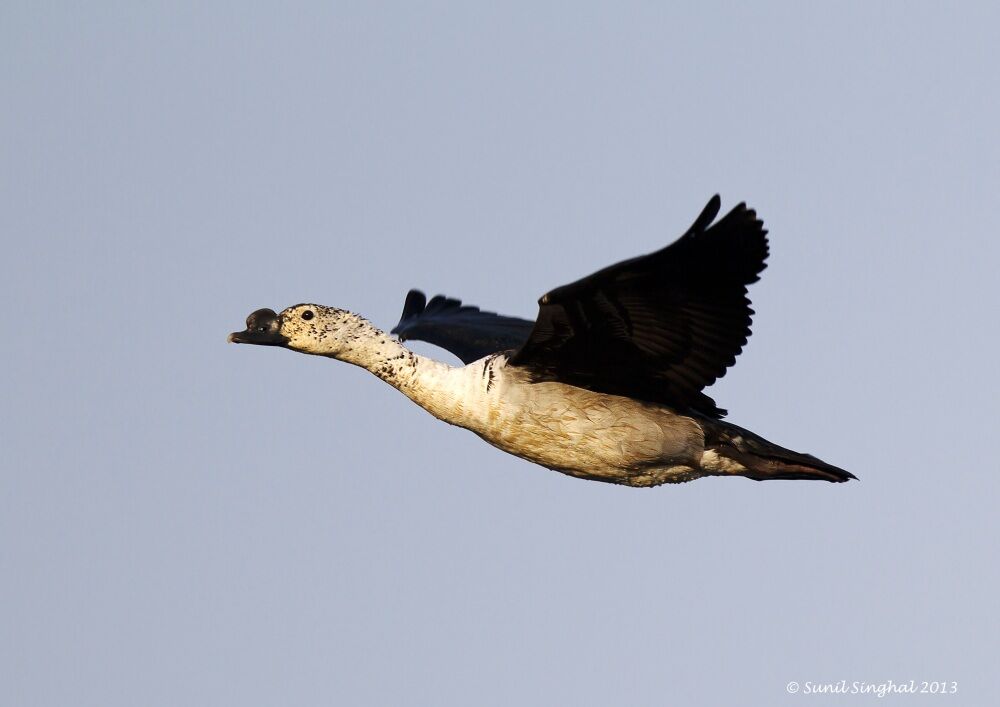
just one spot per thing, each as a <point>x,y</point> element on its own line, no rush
<point>309,328</point>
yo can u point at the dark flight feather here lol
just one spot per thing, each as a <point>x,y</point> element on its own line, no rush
<point>464,330</point>
<point>660,327</point>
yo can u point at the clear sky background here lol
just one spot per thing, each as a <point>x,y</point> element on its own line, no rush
<point>186,522</point>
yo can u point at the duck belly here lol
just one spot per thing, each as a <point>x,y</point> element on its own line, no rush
<point>593,435</point>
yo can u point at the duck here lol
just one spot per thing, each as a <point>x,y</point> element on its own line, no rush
<point>606,384</point>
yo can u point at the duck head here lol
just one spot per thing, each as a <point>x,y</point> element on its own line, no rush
<point>309,328</point>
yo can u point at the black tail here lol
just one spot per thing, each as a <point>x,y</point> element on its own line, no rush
<point>763,460</point>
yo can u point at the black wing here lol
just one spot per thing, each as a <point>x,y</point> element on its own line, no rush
<point>659,327</point>
<point>462,329</point>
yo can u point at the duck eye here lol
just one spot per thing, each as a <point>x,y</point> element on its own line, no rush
<point>308,314</point>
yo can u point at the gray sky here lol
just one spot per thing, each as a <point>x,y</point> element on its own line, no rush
<point>184,522</point>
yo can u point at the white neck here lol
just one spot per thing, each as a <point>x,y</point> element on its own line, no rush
<point>374,350</point>
<point>428,383</point>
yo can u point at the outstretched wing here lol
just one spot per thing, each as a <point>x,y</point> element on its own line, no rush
<point>464,330</point>
<point>659,327</point>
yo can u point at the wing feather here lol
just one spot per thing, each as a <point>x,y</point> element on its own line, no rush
<point>660,327</point>
<point>466,331</point>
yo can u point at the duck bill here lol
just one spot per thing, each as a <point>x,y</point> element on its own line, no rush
<point>263,329</point>
<point>260,338</point>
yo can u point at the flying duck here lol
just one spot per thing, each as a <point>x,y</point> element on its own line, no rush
<point>606,384</point>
